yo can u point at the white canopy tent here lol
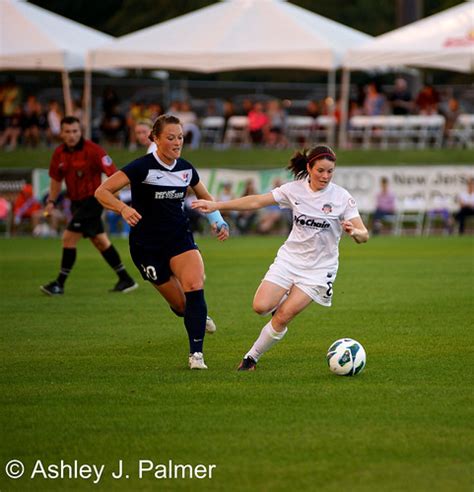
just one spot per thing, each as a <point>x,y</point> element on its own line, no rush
<point>442,41</point>
<point>236,35</point>
<point>32,38</point>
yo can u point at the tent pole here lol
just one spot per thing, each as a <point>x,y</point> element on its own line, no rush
<point>87,99</point>
<point>346,81</point>
<point>67,92</point>
<point>332,103</point>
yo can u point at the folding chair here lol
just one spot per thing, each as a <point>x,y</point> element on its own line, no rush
<point>324,129</point>
<point>212,129</point>
<point>462,134</point>
<point>299,129</point>
<point>237,131</point>
<point>411,211</point>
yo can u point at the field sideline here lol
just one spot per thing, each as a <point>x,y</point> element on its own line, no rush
<point>257,158</point>
<point>98,377</point>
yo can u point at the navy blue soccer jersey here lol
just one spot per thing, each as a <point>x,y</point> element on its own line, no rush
<point>158,193</point>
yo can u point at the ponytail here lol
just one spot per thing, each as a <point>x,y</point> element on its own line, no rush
<point>300,160</point>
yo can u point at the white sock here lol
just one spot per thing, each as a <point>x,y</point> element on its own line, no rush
<point>267,338</point>
<point>282,300</point>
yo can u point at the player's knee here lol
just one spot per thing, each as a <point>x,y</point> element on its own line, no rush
<point>192,285</point>
<point>261,307</point>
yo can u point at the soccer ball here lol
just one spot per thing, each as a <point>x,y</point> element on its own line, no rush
<point>346,357</point>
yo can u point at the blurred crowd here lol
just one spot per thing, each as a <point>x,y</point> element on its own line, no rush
<point>26,121</point>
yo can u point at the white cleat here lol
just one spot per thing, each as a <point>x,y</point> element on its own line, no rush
<point>210,326</point>
<point>196,361</point>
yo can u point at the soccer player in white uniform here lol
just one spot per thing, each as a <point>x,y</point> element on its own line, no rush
<point>305,267</point>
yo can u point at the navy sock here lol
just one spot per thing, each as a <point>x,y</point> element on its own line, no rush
<point>195,319</point>
<point>67,262</point>
<point>112,257</point>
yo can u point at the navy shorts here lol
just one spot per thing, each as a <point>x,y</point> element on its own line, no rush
<point>86,217</point>
<point>153,260</point>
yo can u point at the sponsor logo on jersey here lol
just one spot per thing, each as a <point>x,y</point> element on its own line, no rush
<point>107,160</point>
<point>352,202</point>
<point>311,222</point>
<point>327,208</point>
<point>170,194</point>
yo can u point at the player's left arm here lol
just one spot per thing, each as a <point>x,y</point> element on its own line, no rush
<point>218,224</point>
<point>356,229</point>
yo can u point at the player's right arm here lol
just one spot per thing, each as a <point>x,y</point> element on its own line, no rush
<point>250,202</point>
<point>105,194</point>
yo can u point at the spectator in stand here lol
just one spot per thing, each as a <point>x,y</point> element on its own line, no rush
<point>401,99</point>
<point>385,206</point>
<point>154,111</point>
<point>12,133</point>
<point>25,205</point>
<point>313,109</point>
<point>427,100</point>
<point>113,126</point>
<point>258,124</point>
<point>246,218</point>
<point>143,130</point>
<point>189,119</point>
<point>10,99</point>
<point>466,204</point>
<point>276,124</point>
<point>110,100</point>
<point>374,102</point>
<point>54,117</point>
<point>31,122</point>
<point>451,111</point>
<point>228,110</point>
<point>138,111</point>
<point>247,106</point>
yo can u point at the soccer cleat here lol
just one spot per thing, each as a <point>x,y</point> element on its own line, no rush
<point>52,289</point>
<point>196,361</point>
<point>210,326</point>
<point>125,286</point>
<point>247,364</point>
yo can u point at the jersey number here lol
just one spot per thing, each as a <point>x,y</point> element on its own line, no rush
<point>150,272</point>
<point>329,291</point>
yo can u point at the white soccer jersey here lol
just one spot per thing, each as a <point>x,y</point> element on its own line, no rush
<point>313,243</point>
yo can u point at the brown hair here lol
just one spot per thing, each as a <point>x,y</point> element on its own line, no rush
<point>69,120</point>
<point>300,160</point>
<point>161,122</point>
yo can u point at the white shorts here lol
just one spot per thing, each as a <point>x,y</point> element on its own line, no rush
<point>318,286</point>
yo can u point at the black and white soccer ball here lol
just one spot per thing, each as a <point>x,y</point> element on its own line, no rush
<point>346,357</point>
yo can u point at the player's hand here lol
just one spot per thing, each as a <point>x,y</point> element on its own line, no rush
<point>204,206</point>
<point>348,227</point>
<point>221,232</point>
<point>130,215</point>
<point>48,209</point>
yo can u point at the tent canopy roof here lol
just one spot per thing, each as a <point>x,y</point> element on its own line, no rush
<point>444,40</point>
<point>233,35</point>
<point>34,38</point>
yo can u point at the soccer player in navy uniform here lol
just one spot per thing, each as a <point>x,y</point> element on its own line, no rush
<point>161,243</point>
<point>80,163</point>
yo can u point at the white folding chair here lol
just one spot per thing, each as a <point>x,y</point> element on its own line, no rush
<point>411,211</point>
<point>324,129</point>
<point>212,128</point>
<point>462,134</point>
<point>298,130</point>
<point>237,131</point>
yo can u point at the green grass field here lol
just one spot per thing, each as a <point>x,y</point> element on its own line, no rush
<point>99,377</point>
<point>258,158</point>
